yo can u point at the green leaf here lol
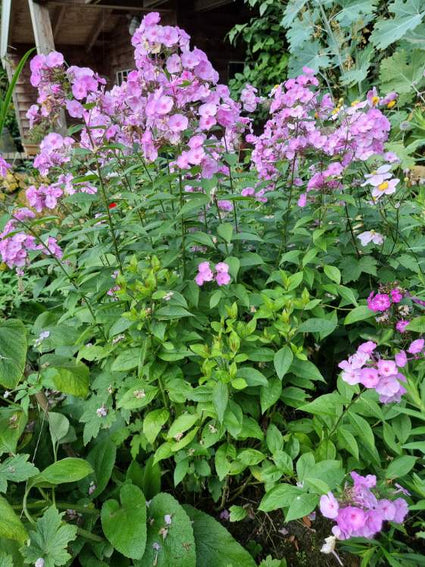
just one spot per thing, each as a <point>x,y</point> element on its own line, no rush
<point>70,378</point>
<point>282,361</point>
<point>306,369</point>
<point>417,324</point>
<point>328,404</point>
<point>177,548</point>
<point>359,313</point>
<point>13,352</point>
<point>293,7</point>
<point>270,394</point>
<point>237,513</point>
<point>220,398</point>
<point>50,540</point>
<point>70,469</point>
<point>301,506</point>
<point>127,360</point>
<point>194,204</point>
<point>333,273</point>
<point>316,325</point>
<point>252,376</point>
<point>280,496</point>
<point>400,466</point>
<point>225,230</point>
<point>348,441</point>
<point>172,312</point>
<point>16,469</point>
<point>409,65</point>
<point>208,532</point>
<point>153,423</point>
<point>6,560</point>
<point>58,426</point>
<point>408,15</point>
<point>182,424</point>
<point>102,458</point>
<point>124,523</point>
<point>11,526</point>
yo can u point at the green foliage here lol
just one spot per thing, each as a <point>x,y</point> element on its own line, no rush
<point>49,540</point>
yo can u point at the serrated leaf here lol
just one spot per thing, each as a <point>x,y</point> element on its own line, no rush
<point>16,469</point>
<point>408,15</point>
<point>50,540</point>
<point>409,65</point>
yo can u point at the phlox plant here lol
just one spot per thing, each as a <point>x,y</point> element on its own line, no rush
<point>206,324</point>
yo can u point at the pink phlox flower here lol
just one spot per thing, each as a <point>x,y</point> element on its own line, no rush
<point>416,346</point>
<point>401,325</point>
<point>329,506</point>
<point>378,302</point>
<point>370,236</point>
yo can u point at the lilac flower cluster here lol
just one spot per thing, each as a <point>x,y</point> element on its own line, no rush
<point>359,513</point>
<point>15,244</point>
<point>172,93</point>
<point>205,274</point>
<point>367,368</point>
<point>304,125</point>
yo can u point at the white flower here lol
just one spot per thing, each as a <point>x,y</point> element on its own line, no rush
<point>39,562</point>
<point>329,545</point>
<point>370,236</point>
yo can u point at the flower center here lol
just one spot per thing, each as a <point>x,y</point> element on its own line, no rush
<point>383,186</point>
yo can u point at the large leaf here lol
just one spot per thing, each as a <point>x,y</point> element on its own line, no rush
<point>102,458</point>
<point>13,352</point>
<point>215,547</point>
<point>409,65</point>
<point>408,15</point>
<point>70,469</point>
<point>170,540</point>
<point>16,469</point>
<point>282,361</point>
<point>50,540</point>
<point>124,523</point>
<point>70,378</point>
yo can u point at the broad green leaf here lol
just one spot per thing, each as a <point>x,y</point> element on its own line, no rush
<point>359,313</point>
<point>252,376</point>
<point>153,423</point>
<point>16,469</point>
<point>281,496</point>
<point>225,230</point>
<point>102,458</point>
<point>58,426</point>
<point>282,361</point>
<point>50,540</point>
<point>13,352</point>
<point>301,506</point>
<point>127,360</point>
<point>400,466</point>
<point>124,522</point>
<point>177,548</point>
<point>207,532</point>
<point>270,394</point>
<point>220,398</point>
<point>417,324</point>
<point>70,378</point>
<point>409,65</point>
<point>316,325</point>
<point>182,424</point>
<point>237,513</point>
<point>408,14</point>
<point>333,273</point>
<point>11,526</point>
<point>70,469</point>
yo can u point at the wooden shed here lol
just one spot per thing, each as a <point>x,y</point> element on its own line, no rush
<point>97,33</point>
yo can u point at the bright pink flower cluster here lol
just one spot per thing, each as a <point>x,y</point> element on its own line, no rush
<point>359,513</point>
<point>367,368</point>
<point>387,302</point>
<point>205,273</point>
<point>249,98</point>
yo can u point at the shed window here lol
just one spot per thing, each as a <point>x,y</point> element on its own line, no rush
<point>121,76</point>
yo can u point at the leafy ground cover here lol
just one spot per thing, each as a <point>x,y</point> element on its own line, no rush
<point>224,333</point>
